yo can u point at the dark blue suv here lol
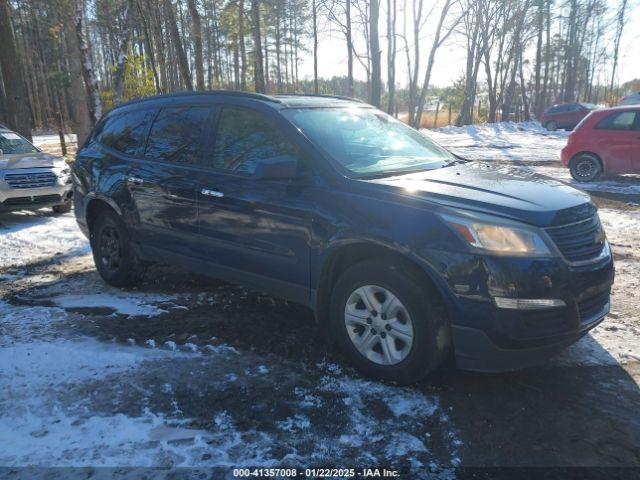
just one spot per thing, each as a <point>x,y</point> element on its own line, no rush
<point>405,252</point>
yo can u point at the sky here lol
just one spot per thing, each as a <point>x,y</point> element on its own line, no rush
<point>450,58</point>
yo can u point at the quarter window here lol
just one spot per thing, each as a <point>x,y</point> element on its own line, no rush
<point>618,121</point>
<point>176,134</point>
<point>126,132</point>
<point>244,138</point>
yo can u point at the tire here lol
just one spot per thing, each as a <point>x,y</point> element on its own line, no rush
<point>551,126</point>
<point>398,362</point>
<point>113,255</point>
<point>64,208</point>
<point>585,167</point>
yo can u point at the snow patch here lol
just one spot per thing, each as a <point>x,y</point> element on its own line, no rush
<point>125,303</point>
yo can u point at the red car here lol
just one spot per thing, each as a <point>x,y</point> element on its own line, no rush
<point>565,115</point>
<point>607,141</point>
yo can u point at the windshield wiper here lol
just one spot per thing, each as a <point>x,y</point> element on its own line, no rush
<point>457,161</point>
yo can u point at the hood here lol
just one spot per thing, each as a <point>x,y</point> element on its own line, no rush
<point>511,192</point>
<point>28,160</point>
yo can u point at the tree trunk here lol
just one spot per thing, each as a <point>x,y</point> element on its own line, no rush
<point>118,80</point>
<point>183,64</point>
<point>258,65</point>
<point>314,13</point>
<point>374,47</point>
<point>391,55</point>
<point>88,73</point>
<point>18,110</point>
<point>79,105</point>
<point>350,89</point>
<point>197,43</point>
<point>243,52</point>
<point>432,57</point>
<point>616,48</point>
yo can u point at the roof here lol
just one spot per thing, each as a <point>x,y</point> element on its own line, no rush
<point>619,107</point>
<point>285,100</point>
<point>308,100</point>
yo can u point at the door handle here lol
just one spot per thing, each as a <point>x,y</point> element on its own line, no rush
<point>135,180</point>
<point>211,193</point>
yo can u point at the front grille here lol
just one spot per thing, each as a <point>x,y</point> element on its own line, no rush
<point>591,307</point>
<point>30,180</point>
<point>579,241</point>
<point>31,200</point>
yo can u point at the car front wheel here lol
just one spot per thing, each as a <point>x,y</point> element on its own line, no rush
<point>113,254</point>
<point>585,168</point>
<point>551,126</point>
<point>388,323</point>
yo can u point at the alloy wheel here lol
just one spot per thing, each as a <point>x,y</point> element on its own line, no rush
<point>110,248</point>
<point>378,325</point>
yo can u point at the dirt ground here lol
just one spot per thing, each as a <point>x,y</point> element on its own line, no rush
<point>185,371</point>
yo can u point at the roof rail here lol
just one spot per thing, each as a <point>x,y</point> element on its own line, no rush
<point>234,93</point>
<point>322,95</point>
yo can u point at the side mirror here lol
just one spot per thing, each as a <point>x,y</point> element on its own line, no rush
<point>282,167</point>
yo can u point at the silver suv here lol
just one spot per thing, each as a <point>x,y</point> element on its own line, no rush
<point>29,178</point>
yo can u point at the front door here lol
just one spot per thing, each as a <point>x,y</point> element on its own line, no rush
<point>258,230</point>
<point>162,183</point>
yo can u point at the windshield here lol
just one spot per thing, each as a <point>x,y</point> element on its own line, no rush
<point>368,142</point>
<point>12,144</point>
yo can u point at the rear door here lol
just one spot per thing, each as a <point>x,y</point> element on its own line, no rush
<point>162,184</point>
<point>257,229</point>
<point>618,139</point>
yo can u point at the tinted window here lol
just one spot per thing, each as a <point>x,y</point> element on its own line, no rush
<point>176,134</point>
<point>244,138</point>
<point>126,132</point>
<point>618,121</point>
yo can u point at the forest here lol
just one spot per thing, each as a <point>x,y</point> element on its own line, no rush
<point>63,63</point>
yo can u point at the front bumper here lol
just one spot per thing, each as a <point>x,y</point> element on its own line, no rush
<point>12,197</point>
<point>488,338</point>
<point>474,350</point>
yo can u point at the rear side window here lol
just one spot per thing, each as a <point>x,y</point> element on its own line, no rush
<point>176,134</point>
<point>126,132</point>
<point>244,138</point>
<point>618,121</point>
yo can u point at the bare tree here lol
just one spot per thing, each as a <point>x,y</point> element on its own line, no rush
<point>183,63</point>
<point>621,18</point>
<point>258,65</point>
<point>197,43</point>
<point>94,102</point>
<point>18,110</point>
<point>374,42</point>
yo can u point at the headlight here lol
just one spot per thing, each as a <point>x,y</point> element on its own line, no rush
<point>61,167</point>
<point>497,236</point>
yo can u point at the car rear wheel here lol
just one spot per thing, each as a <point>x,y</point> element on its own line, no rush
<point>387,323</point>
<point>551,126</point>
<point>113,255</point>
<point>585,167</point>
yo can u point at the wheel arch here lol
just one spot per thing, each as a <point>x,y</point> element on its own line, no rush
<point>95,205</point>
<point>346,255</point>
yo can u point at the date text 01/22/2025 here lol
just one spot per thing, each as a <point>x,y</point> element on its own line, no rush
<point>316,472</point>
